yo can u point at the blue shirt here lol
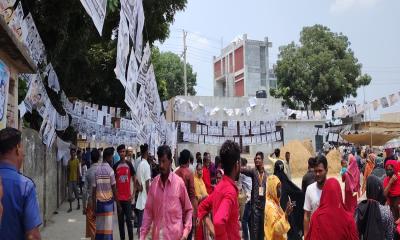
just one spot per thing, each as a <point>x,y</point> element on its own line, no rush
<point>21,209</point>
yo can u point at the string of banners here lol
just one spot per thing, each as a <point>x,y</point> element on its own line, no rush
<point>136,74</point>
<point>38,99</point>
<point>353,108</point>
<point>203,113</point>
<point>214,133</point>
<point>24,29</point>
<point>147,123</point>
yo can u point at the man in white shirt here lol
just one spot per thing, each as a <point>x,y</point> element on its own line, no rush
<point>143,177</point>
<point>313,192</point>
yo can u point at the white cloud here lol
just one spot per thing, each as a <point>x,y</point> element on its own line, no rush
<point>197,40</point>
<point>339,6</point>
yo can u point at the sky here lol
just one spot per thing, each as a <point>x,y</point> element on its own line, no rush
<point>372,27</point>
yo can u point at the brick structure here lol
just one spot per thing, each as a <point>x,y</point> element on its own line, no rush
<point>242,69</point>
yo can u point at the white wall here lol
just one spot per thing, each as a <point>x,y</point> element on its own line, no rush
<point>299,130</point>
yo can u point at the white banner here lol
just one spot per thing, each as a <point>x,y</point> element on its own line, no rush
<point>133,74</point>
<point>144,65</point>
<point>31,38</point>
<point>97,11</point>
<point>122,49</point>
<point>139,30</point>
<point>52,78</point>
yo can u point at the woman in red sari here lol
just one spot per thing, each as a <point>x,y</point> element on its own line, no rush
<point>351,179</point>
<point>331,221</point>
<point>391,185</point>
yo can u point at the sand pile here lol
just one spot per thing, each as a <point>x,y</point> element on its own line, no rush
<point>309,146</point>
<point>301,151</point>
<point>333,158</point>
<point>299,156</point>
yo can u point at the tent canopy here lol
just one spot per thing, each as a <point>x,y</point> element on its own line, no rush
<point>370,138</point>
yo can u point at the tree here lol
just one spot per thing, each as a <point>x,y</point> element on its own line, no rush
<point>319,72</point>
<point>168,68</point>
<point>83,60</point>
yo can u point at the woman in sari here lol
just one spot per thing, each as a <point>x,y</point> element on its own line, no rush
<point>351,179</point>
<point>391,185</point>
<point>295,194</point>
<point>374,218</point>
<point>369,167</point>
<point>331,221</point>
<point>276,225</point>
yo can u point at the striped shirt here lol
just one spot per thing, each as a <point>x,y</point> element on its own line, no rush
<point>105,179</point>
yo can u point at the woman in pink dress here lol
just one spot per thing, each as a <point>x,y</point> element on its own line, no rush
<point>351,179</point>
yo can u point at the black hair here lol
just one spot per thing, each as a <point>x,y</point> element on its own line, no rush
<point>9,139</point>
<point>230,155</point>
<point>205,154</point>
<point>120,147</point>
<point>144,148</point>
<point>287,153</point>
<point>108,152</point>
<point>277,152</point>
<point>243,161</point>
<point>261,154</point>
<point>95,155</point>
<point>311,162</point>
<point>184,157</point>
<point>198,154</point>
<point>321,160</point>
<point>164,150</point>
<point>79,151</point>
<point>358,151</point>
<point>191,159</point>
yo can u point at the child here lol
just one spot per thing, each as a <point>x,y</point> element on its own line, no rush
<point>344,167</point>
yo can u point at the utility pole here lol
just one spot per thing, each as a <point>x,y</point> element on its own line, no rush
<point>184,61</point>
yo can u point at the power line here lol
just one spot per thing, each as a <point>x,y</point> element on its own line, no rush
<point>198,51</point>
<point>198,34</point>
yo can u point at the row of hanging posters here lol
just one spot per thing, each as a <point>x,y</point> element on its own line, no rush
<point>136,73</point>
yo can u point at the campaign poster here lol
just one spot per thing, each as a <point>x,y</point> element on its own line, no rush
<point>4,82</point>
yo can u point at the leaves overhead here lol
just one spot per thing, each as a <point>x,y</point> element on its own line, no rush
<point>319,72</point>
<point>84,60</point>
<point>168,68</point>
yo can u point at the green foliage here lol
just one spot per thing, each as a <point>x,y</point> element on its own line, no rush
<point>168,68</point>
<point>83,60</point>
<point>319,72</point>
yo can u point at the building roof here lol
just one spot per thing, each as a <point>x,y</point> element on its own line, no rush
<point>15,51</point>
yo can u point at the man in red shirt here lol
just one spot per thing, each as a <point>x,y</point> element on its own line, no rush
<point>207,174</point>
<point>223,202</point>
<point>124,174</point>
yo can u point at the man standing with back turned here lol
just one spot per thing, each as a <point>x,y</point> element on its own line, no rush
<point>21,216</point>
<point>223,203</point>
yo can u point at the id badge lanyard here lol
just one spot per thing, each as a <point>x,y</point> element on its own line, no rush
<point>260,184</point>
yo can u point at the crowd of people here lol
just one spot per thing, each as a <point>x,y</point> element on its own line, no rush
<point>205,199</point>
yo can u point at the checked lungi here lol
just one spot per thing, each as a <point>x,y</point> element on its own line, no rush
<point>104,220</point>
